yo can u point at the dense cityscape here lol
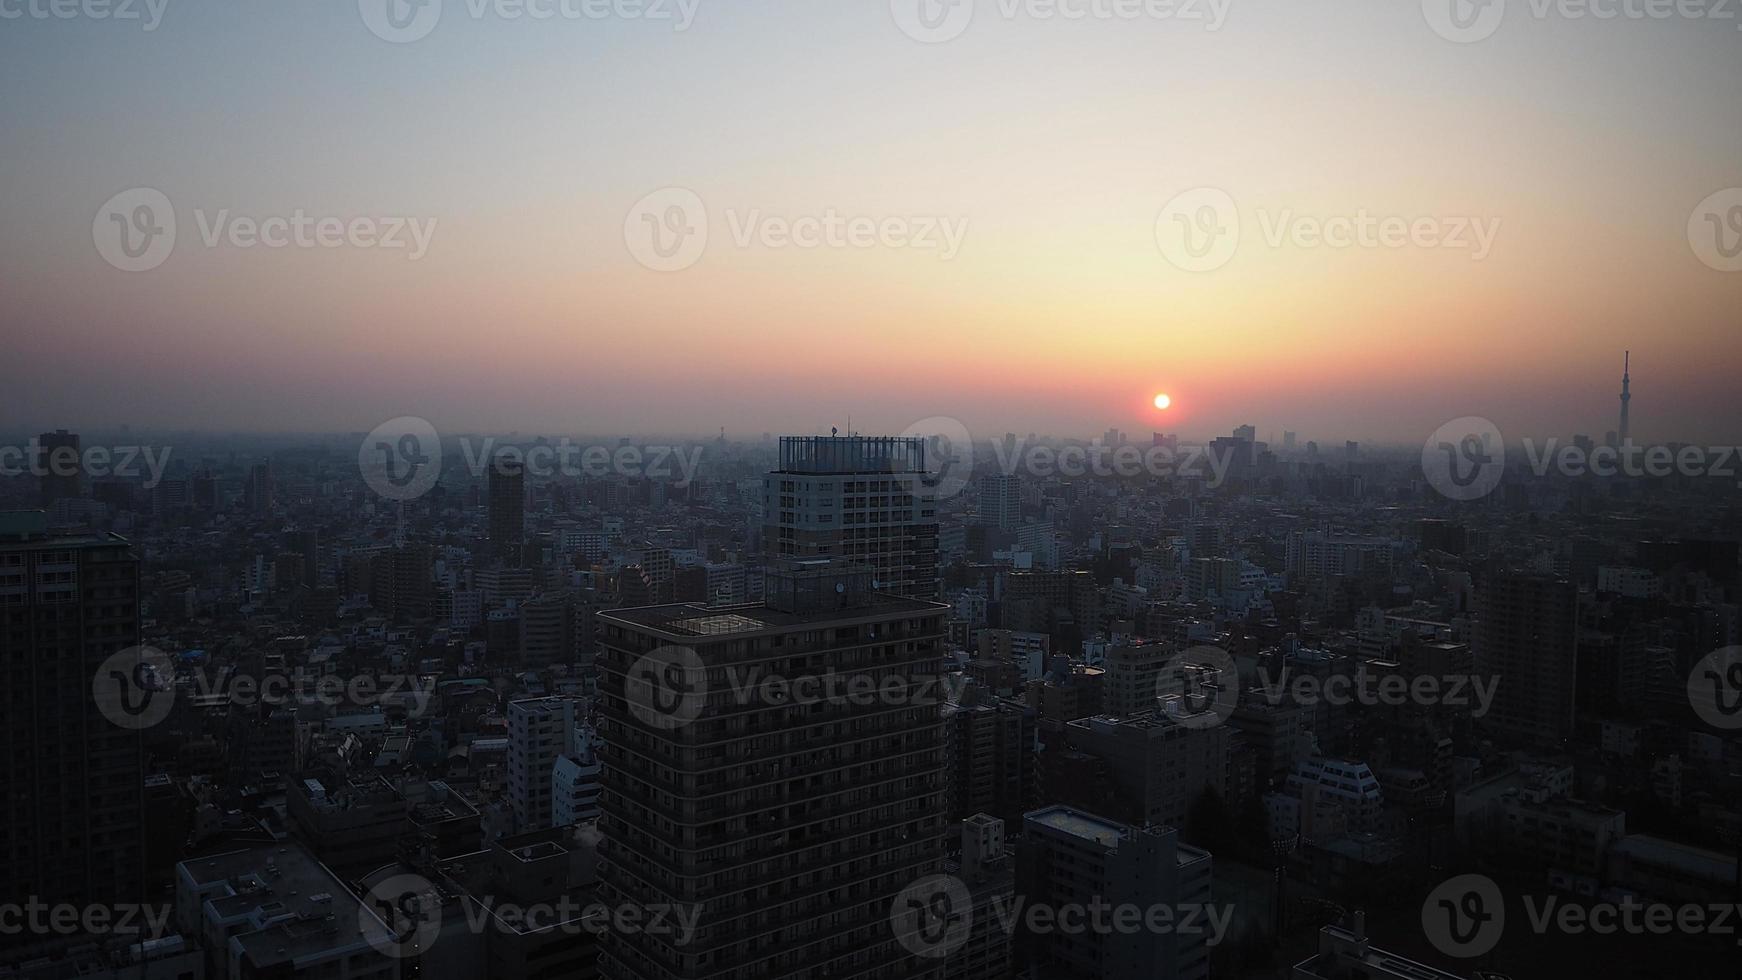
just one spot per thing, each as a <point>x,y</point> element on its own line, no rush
<point>901,490</point>
<point>400,705</point>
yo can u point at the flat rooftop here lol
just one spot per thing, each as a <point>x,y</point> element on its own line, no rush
<point>1076,823</point>
<point>691,619</point>
<point>306,908</point>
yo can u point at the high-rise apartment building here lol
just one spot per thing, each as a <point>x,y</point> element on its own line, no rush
<point>1000,500</point>
<point>73,804</point>
<point>1159,768</point>
<point>793,821</point>
<point>1134,676</point>
<point>1527,637</point>
<point>575,778</point>
<point>863,498</point>
<point>540,730</point>
<point>61,467</point>
<point>257,492</point>
<point>1069,858</point>
<point>989,757</point>
<point>507,509</point>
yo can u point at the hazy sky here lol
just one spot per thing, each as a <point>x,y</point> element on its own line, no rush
<point>1583,146</point>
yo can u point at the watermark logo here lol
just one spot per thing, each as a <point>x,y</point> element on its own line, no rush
<point>135,688</point>
<point>1465,458</point>
<point>932,21</point>
<point>1199,687</point>
<point>148,12</point>
<point>1470,21</point>
<point>1715,688</point>
<point>35,459</point>
<point>1126,461</point>
<point>933,917</point>
<point>404,21</point>
<point>937,21</point>
<point>667,231</point>
<point>36,917</point>
<point>400,21</point>
<point>401,459</point>
<point>667,688</point>
<point>1632,460</point>
<point>411,909</point>
<point>949,456</point>
<point>1371,690</point>
<point>1464,21</point>
<point>135,230</point>
<point>1465,916</point>
<point>1715,230</point>
<point>1199,230</point>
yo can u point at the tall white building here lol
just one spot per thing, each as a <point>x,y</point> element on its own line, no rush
<point>857,497</point>
<point>540,730</point>
<point>575,779</point>
<point>1000,501</point>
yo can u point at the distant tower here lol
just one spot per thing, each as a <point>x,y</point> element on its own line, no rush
<point>1626,366</point>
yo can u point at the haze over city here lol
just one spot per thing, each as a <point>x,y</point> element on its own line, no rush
<point>1055,144</point>
<point>894,490</point>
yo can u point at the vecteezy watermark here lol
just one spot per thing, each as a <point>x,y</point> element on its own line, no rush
<point>1470,21</point>
<point>401,459</point>
<point>937,21</point>
<point>934,917</point>
<point>1200,231</point>
<point>1465,917</point>
<point>951,463</point>
<point>1122,462</point>
<point>405,21</point>
<point>1631,459</point>
<point>401,916</point>
<point>136,688</point>
<point>670,686</point>
<point>149,13</point>
<point>1368,689</point>
<point>1715,688</point>
<point>668,230</point>
<point>1199,687</point>
<point>949,456</point>
<point>35,459</point>
<point>1715,230</point>
<point>1465,458</point>
<point>135,231</point>
<point>35,917</point>
<point>568,917</point>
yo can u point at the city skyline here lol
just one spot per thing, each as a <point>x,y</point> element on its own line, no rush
<point>906,490</point>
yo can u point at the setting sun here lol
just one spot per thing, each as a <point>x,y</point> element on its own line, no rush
<point>1163,402</point>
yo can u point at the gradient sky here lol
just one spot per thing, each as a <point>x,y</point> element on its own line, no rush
<point>1059,142</point>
